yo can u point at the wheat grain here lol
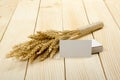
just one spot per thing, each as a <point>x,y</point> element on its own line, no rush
<point>54,51</point>
<point>46,44</point>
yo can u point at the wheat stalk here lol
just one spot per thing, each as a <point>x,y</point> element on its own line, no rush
<point>46,44</point>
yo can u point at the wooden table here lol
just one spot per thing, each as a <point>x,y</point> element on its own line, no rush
<point>20,18</point>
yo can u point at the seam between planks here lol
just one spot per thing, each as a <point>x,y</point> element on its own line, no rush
<point>91,35</point>
<point>102,67</point>
<point>9,22</point>
<point>87,17</point>
<point>104,1</point>
<point>64,69</point>
<point>62,30</point>
<point>94,38</point>
<point>111,14</point>
<point>26,69</point>
<point>37,17</point>
<point>33,33</point>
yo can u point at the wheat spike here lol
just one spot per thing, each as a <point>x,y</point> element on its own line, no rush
<point>54,51</point>
<point>46,44</point>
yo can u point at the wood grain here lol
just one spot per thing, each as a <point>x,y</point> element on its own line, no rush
<point>7,8</point>
<point>74,16</point>
<point>18,21</point>
<point>49,18</point>
<point>21,25</point>
<point>114,9</point>
<point>109,37</point>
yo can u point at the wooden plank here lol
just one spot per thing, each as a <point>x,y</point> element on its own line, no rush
<point>7,8</point>
<point>21,25</point>
<point>109,36</point>
<point>89,68</point>
<point>49,18</point>
<point>114,7</point>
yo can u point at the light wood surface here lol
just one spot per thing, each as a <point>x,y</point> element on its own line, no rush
<point>109,37</point>
<point>114,9</point>
<point>20,18</point>
<point>21,25</point>
<point>74,17</point>
<point>7,8</point>
<point>49,18</point>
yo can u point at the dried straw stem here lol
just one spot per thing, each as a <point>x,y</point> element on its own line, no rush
<point>46,44</point>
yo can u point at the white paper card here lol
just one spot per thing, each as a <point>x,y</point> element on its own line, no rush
<point>75,48</point>
<point>96,47</point>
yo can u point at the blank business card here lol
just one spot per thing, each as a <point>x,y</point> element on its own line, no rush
<point>96,47</point>
<point>75,48</point>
